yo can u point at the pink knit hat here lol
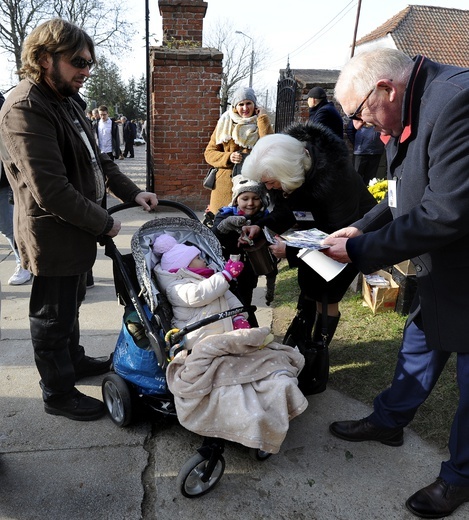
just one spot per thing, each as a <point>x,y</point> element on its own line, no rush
<point>174,255</point>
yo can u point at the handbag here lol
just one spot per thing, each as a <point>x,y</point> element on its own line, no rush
<point>210,178</point>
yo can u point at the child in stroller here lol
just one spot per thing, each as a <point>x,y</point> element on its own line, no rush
<point>238,385</point>
<point>195,290</point>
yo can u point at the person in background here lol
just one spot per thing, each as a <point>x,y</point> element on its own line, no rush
<point>130,134</point>
<point>237,131</point>
<point>249,204</point>
<point>118,152</point>
<point>322,111</point>
<point>308,169</point>
<point>59,180</point>
<point>421,108</point>
<point>107,133</point>
<point>20,276</point>
<point>367,150</point>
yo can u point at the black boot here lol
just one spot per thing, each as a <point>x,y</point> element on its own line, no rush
<point>314,376</point>
<point>299,332</point>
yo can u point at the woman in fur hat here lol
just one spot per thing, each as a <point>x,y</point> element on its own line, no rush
<point>308,169</point>
<point>237,131</point>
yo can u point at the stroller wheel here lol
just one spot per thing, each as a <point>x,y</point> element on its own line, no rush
<point>260,455</point>
<point>116,397</point>
<point>191,479</point>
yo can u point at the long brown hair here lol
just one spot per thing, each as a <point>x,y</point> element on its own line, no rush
<point>56,36</point>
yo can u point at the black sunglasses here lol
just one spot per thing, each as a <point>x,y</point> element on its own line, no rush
<point>80,63</point>
<point>356,115</point>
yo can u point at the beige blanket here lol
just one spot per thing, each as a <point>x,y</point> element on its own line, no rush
<point>234,387</point>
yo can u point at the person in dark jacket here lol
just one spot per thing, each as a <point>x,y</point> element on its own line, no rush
<point>130,134</point>
<point>59,180</point>
<point>368,148</point>
<point>308,169</point>
<point>322,111</point>
<point>422,109</point>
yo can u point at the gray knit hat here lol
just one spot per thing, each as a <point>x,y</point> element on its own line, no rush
<point>317,93</point>
<point>241,94</point>
<point>242,184</point>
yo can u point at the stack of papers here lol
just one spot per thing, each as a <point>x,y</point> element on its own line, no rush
<point>376,280</point>
<point>305,238</point>
<point>309,241</point>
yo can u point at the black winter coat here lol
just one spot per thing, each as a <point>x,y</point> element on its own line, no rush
<point>335,195</point>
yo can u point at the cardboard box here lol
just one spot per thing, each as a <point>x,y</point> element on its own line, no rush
<point>381,299</point>
<point>407,268</point>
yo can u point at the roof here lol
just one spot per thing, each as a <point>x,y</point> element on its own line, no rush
<point>439,33</point>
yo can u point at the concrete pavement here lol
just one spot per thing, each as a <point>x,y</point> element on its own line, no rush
<point>52,468</point>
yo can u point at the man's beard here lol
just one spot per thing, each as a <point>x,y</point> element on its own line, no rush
<point>63,88</point>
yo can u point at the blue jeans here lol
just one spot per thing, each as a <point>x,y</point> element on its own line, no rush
<point>417,371</point>
<point>6,220</point>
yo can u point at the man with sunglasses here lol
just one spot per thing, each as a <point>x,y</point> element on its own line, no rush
<point>59,179</point>
<point>421,108</point>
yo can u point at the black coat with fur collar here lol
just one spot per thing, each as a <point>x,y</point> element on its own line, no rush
<point>333,192</point>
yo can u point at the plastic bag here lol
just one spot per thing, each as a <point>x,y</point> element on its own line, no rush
<point>138,365</point>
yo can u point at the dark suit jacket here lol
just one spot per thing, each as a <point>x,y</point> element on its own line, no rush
<point>430,224</point>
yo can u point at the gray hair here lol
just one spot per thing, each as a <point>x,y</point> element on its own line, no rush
<point>362,72</point>
<point>278,157</point>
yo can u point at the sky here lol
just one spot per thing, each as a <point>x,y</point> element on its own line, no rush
<point>311,34</point>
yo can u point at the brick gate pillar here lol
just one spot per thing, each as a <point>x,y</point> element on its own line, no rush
<point>185,82</point>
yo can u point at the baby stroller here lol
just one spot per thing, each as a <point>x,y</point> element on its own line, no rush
<point>147,340</point>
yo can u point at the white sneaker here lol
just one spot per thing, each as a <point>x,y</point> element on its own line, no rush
<point>20,276</point>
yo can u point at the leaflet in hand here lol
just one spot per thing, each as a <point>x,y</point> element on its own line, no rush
<point>306,238</point>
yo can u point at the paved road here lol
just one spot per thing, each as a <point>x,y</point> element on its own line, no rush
<point>55,469</point>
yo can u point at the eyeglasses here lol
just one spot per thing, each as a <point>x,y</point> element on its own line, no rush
<point>80,63</point>
<point>356,115</point>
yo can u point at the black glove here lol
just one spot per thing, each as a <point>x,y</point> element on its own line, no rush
<point>232,223</point>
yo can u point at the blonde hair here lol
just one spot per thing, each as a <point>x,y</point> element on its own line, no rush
<point>278,157</point>
<point>361,73</point>
<point>56,36</point>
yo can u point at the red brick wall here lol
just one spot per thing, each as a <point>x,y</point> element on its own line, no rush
<point>185,86</point>
<point>182,19</point>
<point>185,83</point>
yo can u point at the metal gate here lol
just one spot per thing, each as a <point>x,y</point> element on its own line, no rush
<point>286,101</point>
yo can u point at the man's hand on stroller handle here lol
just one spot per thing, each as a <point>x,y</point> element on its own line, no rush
<point>232,269</point>
<point>147,200</point>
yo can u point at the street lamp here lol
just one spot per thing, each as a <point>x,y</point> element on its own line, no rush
<point>252,56</point>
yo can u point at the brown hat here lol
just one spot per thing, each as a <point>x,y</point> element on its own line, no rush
<point>317,93</point>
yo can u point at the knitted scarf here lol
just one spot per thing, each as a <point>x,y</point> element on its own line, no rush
<point>243,130</point>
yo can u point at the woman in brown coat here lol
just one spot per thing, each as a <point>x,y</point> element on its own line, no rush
<point>237,131</point>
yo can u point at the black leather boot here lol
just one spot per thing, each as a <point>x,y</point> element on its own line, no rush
<point>314,376</point>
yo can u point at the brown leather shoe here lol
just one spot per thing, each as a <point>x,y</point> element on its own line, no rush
<point>437,500</point>
<point>364,430</point>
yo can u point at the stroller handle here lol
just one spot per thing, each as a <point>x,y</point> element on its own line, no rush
<point>161,203</point>
<point>177,336</point>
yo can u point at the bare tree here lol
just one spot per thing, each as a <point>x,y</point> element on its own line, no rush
<point>103,20</point>
<point>240,53</point>
<point>17,18</point>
